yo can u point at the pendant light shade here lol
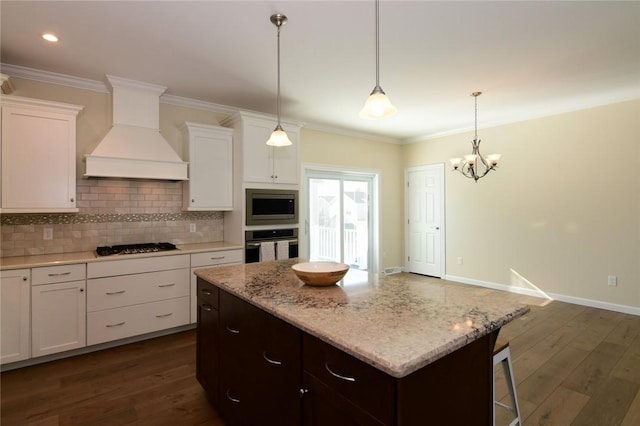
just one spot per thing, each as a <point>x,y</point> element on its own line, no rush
<point>279,136</point>
<point>378,105</point>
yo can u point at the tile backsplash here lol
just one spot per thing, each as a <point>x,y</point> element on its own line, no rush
<point>112,211</point>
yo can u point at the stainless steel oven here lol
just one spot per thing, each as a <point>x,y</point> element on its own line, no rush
<point>271,206</point>
<point>254,240</point>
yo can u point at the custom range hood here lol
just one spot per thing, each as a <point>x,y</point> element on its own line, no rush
<point>134,147</point>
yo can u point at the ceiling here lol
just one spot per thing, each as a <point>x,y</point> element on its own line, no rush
<point>529,58</point>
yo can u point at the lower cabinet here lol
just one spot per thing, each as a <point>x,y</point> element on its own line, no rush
<point>15,312</point>
<point>259,362</point>
<point>209,259</point>
<point>260,370</point>
<point>341,389</point>
<point>58,317</point>
<point>58,309</point>
<point>122,303</point>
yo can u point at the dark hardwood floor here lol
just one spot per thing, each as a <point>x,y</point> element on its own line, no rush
<point>573,365</point>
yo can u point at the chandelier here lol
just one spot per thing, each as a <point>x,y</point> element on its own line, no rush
<point>475,165</point>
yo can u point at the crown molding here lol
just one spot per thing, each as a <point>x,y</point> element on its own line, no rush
<point>53,78</point>
<point>99,86</point>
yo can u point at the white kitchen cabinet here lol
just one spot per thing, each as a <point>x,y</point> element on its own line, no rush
<point>15,293</point>
<point>130,297</point>
<point>38,156</point>
<point>209,259</point>
<point>209,151</point>
<point>262,163</point>
<point>58,309</point>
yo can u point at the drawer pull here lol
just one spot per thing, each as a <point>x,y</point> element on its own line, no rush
<point>116,325</point>
<point>206,292</point>
<point>269,360</point>
<point>207,308</point>
<point>346,378</point>
<point>111,293</point>
<point>59,274</point>
<point>217,258</point>
<point>166,285</point>
<point>164,315</point>
<point>232,399</point>
<point>232,330</point>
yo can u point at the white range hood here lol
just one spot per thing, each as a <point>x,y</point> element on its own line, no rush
<point>134,147</point>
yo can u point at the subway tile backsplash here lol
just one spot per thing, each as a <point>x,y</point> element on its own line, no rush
<point>112,211</point>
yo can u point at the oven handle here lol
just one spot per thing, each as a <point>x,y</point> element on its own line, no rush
<point>255,245</point>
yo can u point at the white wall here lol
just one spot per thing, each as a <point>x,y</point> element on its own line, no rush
<point>560,214</point>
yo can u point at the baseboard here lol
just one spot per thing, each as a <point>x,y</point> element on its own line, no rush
<point>633,310</point>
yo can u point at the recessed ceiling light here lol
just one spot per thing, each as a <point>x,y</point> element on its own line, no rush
<point>50,37</point>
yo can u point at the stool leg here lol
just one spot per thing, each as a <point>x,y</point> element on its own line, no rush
<point>508,374</point>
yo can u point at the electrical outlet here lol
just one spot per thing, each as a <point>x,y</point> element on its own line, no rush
<point>612,280</point>
<point>460,261</point>
<point>47,234</point>
<point>192,227</point>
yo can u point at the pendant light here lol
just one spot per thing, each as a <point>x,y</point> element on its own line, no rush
<point>377,105</point>
<point>279,136</point>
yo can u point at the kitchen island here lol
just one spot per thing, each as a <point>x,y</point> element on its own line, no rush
<point>397,350</point>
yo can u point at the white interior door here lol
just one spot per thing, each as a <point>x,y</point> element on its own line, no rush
<point>425,227</point>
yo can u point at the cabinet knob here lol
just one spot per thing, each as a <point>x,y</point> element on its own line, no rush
<point>72,200</point>
<point>302,392</point>
<point>193,200</point>
<point>24,278</point>
<point>81,290</point>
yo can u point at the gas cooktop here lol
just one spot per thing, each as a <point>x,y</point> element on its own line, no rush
<point>134,248</point>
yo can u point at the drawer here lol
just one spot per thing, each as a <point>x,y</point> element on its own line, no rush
<point>118,323</point>
<point>365,386</point>
<point>110,268</point>
<point>208,293</point>
<point>212,258</point>
<point>115,292</point>
<point>58,274</point>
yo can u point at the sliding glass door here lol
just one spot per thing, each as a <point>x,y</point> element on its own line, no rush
<point>339,221</point>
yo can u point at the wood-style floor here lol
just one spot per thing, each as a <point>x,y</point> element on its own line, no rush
<point>573,365</point>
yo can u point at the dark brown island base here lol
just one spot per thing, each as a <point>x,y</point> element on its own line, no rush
<point>372,350</point>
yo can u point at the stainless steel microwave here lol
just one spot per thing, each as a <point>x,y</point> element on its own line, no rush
<point>271,206</point>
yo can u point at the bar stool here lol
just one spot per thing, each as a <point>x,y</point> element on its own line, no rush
<point>502,355</point>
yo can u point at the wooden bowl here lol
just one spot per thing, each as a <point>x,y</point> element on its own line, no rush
<point>320,273</point>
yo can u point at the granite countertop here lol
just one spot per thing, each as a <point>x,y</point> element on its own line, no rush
<point>17,262</point>
<point>397,323</point>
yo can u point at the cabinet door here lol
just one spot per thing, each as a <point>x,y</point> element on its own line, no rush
<point>285,161</point>
<point>207,349</point>
<point>258,156</point>
<point>260,365</point>
<point>210,157</point>
<point>323,406</point>
<point>58,317</point>
<point>38,158</point>
<point>15,315</point>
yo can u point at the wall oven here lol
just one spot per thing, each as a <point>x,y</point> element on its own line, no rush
<point>269,244</point>
<point>271,206</point>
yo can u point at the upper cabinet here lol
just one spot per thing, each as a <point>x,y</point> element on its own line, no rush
<point>209,151</point>
<point>38,156</point>
<point>262,163</point>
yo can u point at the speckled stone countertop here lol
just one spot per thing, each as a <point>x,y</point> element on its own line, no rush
<point>18,262</point>
<point>397,323</point>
